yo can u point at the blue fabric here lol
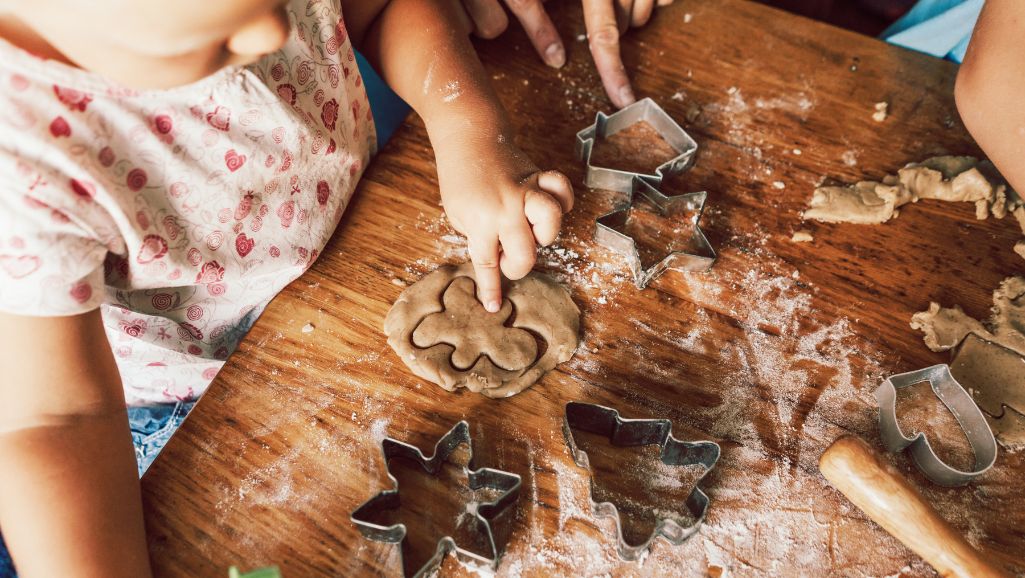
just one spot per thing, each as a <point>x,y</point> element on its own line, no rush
<point>941,28</point>
<point>388,109</point>
<point>151,427</point>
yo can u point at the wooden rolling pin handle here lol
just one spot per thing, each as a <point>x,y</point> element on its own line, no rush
<point>889,500</point>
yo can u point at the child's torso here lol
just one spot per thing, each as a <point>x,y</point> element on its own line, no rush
<point>179,212</point>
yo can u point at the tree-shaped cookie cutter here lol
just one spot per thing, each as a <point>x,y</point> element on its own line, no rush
<point>645,110</point>
<point>605,421</point>
<point>610,229</point>
<point>960,404</point>
<point>505,482</point>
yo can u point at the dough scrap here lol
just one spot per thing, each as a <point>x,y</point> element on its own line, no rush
<point>443,334</point>
<point>945,327</point>
<point>994,374</point>
<point>1009,429</point>
<point>988,358</point>
<point>944,178</point>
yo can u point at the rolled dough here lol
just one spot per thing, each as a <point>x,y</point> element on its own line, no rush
<point>444,335</point>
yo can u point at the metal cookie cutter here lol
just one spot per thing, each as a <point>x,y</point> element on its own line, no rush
<point>507,483</point>
<point>610,231</point>
<point>606,421</point>
<point>606,125</point>
<point>959,402</point>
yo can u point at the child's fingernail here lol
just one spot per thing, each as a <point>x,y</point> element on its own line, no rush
<point>555,55</point>
<point>626,95</point>
<point>493,306</point>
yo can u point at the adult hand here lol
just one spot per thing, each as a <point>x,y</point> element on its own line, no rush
<point>605,20</point>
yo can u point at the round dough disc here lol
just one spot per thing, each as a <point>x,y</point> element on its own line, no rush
<point>444,335</point>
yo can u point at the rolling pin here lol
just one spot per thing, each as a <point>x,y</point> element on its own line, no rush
<point>876,487</point>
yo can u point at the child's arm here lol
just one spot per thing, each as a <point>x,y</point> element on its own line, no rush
<point>990,86</point>
<point>491,191</point>
<point>69,489</point>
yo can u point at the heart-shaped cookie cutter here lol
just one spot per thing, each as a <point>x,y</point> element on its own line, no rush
<point>605,421</point>
<point>960,404</point>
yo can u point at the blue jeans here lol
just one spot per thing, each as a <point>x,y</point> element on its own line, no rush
<point>151,427</point>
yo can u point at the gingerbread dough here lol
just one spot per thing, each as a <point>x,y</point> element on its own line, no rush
<point>443,334</point>
<point>990,355</point>
<point>945,178</point>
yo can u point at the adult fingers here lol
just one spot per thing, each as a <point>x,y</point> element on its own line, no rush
<point>557,185</point>
<point>489,19</point>
<point>539,28</point>
<point>544,214</point>
<point>484,256</point>
<point>623,10</point>
<point>641,12</point>
<point>518,248</point>
<point>603,39</point>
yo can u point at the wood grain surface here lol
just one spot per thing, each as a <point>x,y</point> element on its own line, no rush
<point>774,353</point>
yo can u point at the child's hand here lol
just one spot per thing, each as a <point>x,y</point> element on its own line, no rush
<point>505,206</point>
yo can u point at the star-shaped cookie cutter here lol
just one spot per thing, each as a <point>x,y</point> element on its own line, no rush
<point>645,110</point>
<point>505,482</point>
<point>605,421</point>
<point>959,402</point>
<point>610,231</point>
<point>610,228</point>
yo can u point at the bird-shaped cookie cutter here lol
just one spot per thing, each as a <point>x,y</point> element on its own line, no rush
<point>605,421</point>
<point>610,229</point>
<point>960,404</point>
<point>508,484</point>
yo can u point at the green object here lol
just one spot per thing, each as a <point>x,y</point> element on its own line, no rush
<point>269,572</point>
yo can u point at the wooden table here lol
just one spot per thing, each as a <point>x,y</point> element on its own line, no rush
<point>774,353</point>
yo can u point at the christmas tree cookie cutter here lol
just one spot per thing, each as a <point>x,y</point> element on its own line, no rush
<point>508,484</point>
<point>960,404</point>
<point>645,110</point>
<point>610,229</point>
<point>605,421</point>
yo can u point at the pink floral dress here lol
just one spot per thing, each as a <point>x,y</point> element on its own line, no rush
<point>179,213</point>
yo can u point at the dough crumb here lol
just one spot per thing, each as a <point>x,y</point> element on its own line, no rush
<point>779,185</point>
<point>802,236</point>
<point>398,282</point>
<point>797,152</point>
<point>308,328</point>
<point>687,18</point>
<point>882,110</point>
<point>849,158</point>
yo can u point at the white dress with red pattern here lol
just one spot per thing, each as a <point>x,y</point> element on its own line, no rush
<point>179,213</point>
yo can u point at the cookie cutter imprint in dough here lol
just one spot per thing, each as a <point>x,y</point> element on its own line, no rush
<point>607,422</point>
<point>484,514</point>
<point>541,307</point>
<point>960,404</point>
<point>610,228</point>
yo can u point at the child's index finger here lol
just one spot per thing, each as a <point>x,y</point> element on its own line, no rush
<point>485,259</point>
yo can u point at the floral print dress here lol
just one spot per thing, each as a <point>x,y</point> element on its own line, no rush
<point>178,213</point>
